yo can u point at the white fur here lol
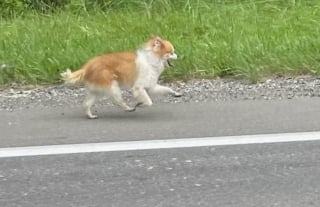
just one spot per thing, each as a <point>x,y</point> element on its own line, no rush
<point>65,75</point>
<point>116,94</point>
<point>94,93</point>
<point>150,68</point>
<point>173,56</point>
<point>88,103</point>
<point>161,90</point>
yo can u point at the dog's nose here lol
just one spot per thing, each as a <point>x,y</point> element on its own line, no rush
<point>174,56</point>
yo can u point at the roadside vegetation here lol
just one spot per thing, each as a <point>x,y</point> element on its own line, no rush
<point>213,38</point>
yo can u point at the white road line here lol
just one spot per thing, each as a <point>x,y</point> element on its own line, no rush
<point>157,144</point>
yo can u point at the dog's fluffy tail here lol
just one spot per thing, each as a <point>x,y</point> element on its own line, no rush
<point>73,77</point>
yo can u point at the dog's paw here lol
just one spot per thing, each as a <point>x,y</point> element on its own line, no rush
<point>92,116</point>
<point>131,109</point>
<point>138,104</point>
<point>141,104</point>
<point>177,94</point>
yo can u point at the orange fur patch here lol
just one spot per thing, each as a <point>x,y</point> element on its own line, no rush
<point>166,47</point>
<point>102,70</point>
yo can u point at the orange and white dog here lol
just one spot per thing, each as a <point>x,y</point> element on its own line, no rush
<point>139,70</point>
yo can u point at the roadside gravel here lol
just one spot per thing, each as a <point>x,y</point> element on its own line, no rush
<point>15,98</point>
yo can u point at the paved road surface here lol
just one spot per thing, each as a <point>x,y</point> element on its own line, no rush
<point>280,174</point>
<point>69,125</point>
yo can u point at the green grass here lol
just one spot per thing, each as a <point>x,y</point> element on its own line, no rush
<point>244,38</point>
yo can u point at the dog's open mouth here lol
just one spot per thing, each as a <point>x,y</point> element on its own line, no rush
<point>169,63</point>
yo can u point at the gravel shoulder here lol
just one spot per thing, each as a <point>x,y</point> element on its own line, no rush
<point>15,98</point>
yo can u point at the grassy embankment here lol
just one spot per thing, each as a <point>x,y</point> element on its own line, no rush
<point>244,38</point>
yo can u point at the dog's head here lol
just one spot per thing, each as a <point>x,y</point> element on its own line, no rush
<point>163,49</point>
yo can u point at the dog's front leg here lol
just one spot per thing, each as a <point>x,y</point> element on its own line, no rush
<point>163,90</point>
<point>142,96</point>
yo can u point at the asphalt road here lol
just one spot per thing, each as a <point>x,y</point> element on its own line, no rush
<point>285,175</point>
<point>280,174</point>
<point>44,126</point>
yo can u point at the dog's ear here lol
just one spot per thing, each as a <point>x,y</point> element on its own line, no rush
<point>157,42</point>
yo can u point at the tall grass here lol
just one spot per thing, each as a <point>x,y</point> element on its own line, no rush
<point>243,38</point>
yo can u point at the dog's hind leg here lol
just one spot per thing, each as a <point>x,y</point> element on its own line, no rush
<point>115,93</point>
<point>142,96</point>
<point>88,103</point>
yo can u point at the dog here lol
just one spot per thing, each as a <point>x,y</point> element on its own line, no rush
<point>139,70</point>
